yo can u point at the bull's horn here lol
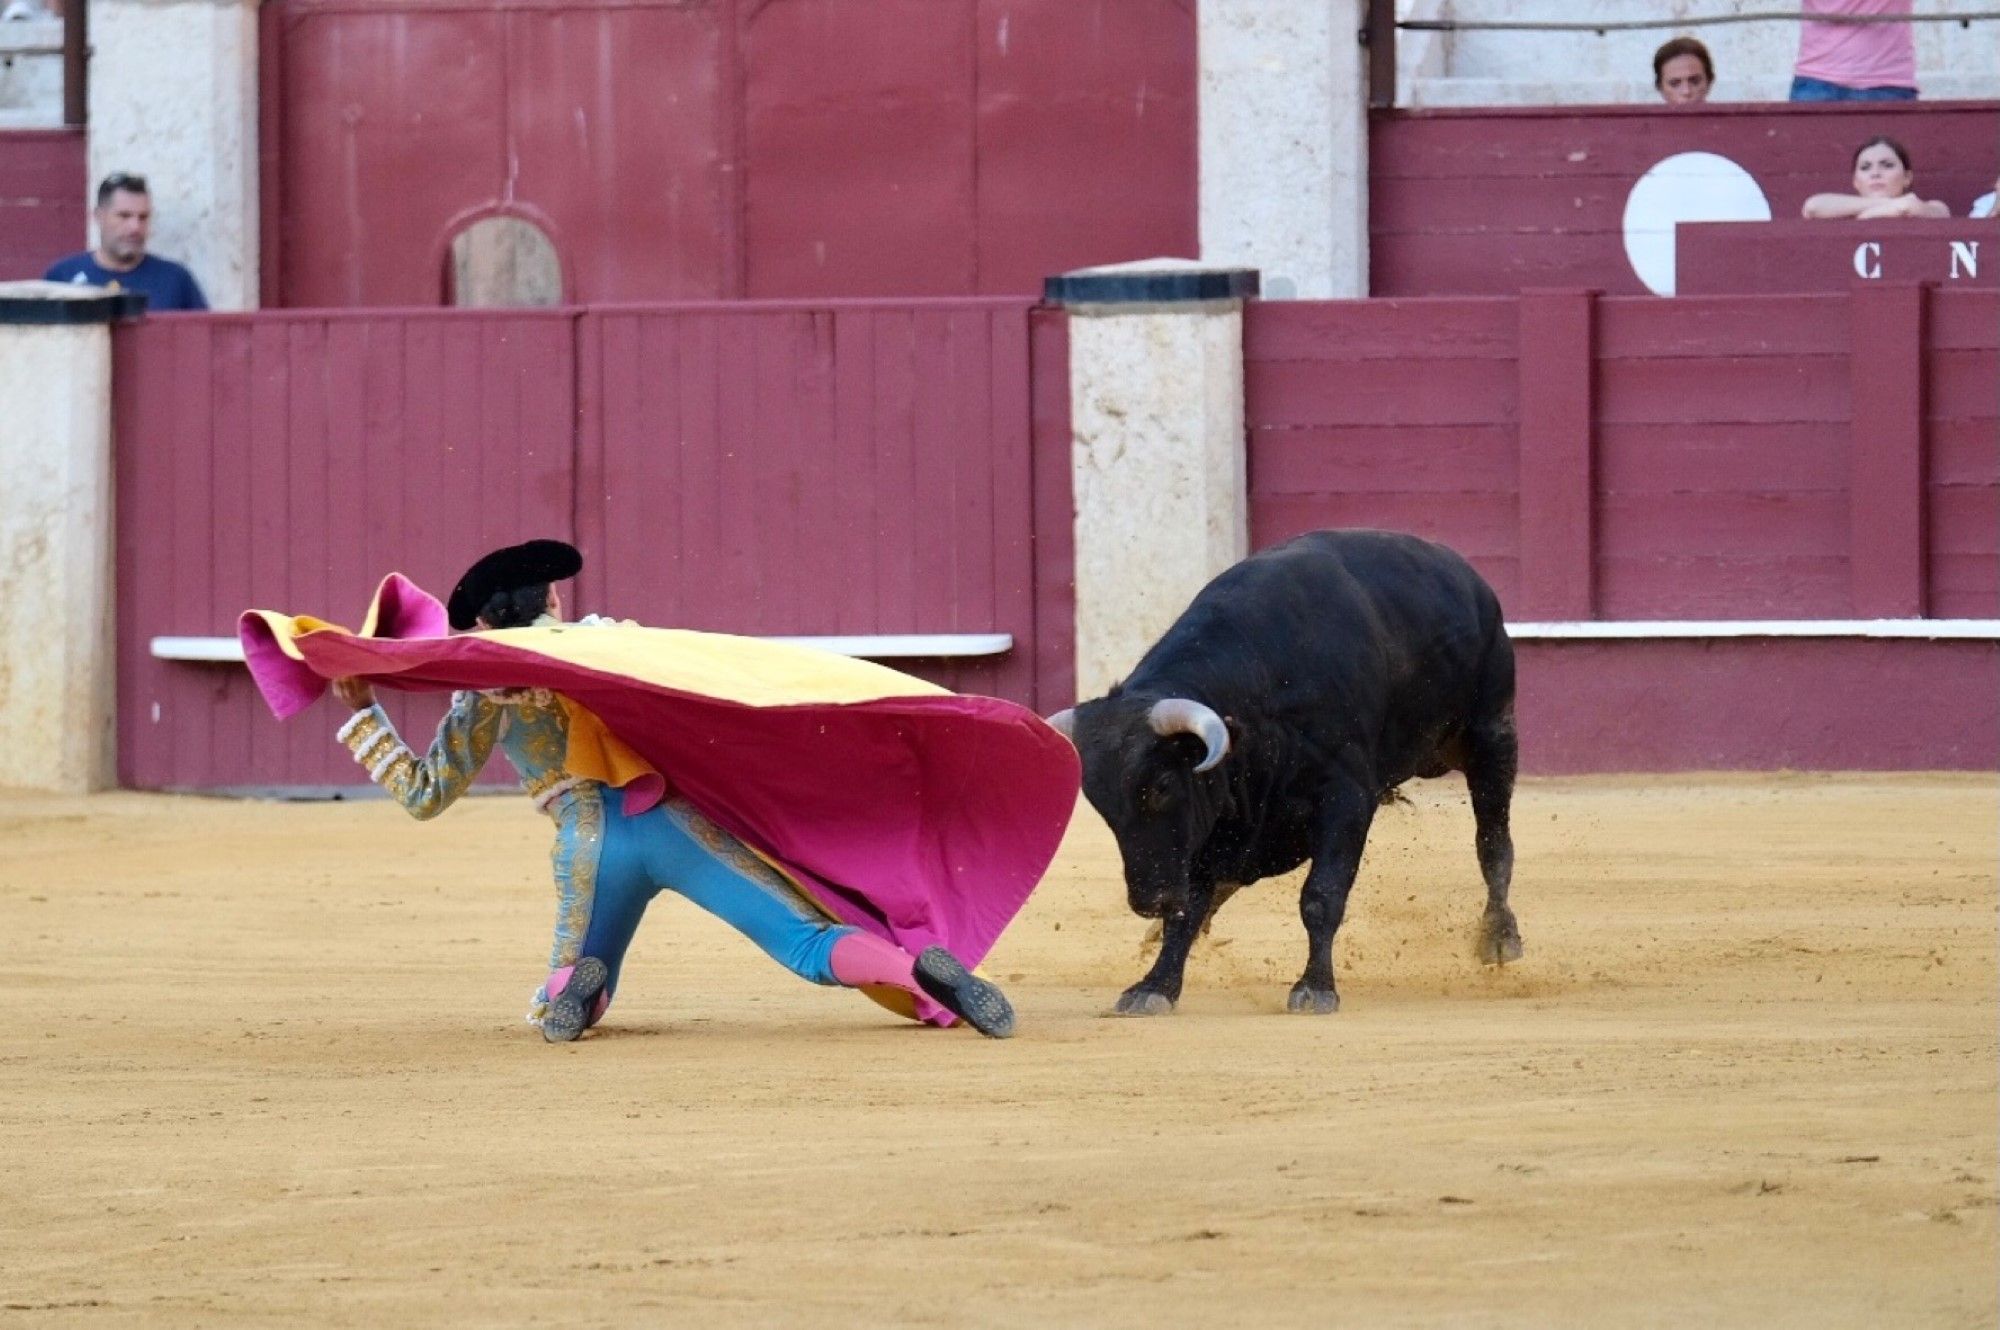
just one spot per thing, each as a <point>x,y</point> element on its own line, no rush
<point>1064,723</point>
<point>1179,715</point>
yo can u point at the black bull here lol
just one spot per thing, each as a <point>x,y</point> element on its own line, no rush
<point>1299,689</point>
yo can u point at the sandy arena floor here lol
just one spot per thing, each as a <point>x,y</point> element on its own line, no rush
<point>263,1065</point>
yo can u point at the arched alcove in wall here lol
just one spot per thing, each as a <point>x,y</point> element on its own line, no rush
<point>502,262</point>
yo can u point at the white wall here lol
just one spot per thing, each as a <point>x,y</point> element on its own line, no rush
<point>1753,60</point>
<point>1284,144</point>
<point>56,675</point>
<point>173,97</point>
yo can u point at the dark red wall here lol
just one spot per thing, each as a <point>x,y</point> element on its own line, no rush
<point>1705,458</point>
<point>863,468</point>
<point>1814,456</point>
<point>1782,258</point>
<point>43,205</point>
<point>715,148</point>
<point>1759,704</point>
<point>1489,201</point>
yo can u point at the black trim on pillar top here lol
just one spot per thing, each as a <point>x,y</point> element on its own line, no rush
<point>22,303</point>
<point>1129,284</point>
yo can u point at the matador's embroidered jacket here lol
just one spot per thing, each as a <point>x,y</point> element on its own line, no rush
<point>531,727</point>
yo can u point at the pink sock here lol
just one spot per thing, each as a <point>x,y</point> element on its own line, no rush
<point>559,980</point>
<point>862,958</point>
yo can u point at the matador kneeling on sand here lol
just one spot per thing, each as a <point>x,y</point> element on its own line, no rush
<point>662,757</point>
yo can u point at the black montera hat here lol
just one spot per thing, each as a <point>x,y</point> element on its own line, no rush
<point>536,563</point>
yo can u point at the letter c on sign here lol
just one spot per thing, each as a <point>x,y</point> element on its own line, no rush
<point>1868,259</point>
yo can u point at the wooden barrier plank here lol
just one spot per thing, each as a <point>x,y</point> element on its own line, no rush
<point>682,469</point>
<point>1472,524</point>
<point>1688,457</point>
<point>1648,328</point>
<point>1885,451</point>
<point>1557,477</point>
<point>1965,519</point>
<point>1404,459</point>
<point>1445,390</point>
<point>140,466</point>
<point>1960,320</point>
<point>1050,439</point>
<point>1352,330</point>
<point>1726,390</point>
<point>1010,482</point>
<point>930,554</point>
<point>819,525</point>
<point>1498,263</point>
<point>1687,585</point>
<point>1959,384</point>
<point>1965,585</point>
<point>856,597</point>
<point>1962,452</point>
<point>1770,525</point>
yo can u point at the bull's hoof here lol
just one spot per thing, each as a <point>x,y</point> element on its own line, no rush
<point>1143,1002</point>
<point>1312,1001</point>
<point>1499,939</point>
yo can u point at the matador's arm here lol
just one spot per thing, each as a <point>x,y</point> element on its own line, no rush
<point>425,786</point>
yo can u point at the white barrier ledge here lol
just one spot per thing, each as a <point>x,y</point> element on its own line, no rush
<point>915,646</point>
<point>1974,629</point>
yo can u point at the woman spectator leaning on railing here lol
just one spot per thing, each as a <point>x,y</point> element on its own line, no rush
<point>1883,187</point>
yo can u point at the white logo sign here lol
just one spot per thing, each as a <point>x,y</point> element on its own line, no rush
<point>1686,187</point>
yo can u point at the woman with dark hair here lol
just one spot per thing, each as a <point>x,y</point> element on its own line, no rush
<point>1683,72</point>
<point>608,865</point>
<point>1883,187</point>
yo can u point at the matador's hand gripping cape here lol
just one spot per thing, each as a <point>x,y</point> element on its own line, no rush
<point>921,815</point>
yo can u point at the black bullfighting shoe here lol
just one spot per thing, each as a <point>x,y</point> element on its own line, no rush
<point>569,1010</point>
<point>964,994</point>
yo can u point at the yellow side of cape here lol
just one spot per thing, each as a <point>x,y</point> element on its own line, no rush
<point>734,669</point>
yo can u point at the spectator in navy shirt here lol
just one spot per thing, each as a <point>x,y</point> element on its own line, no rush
<point>124,217</point>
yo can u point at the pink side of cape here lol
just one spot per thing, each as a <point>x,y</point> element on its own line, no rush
<point>924,819</point>
<point>402,610</point>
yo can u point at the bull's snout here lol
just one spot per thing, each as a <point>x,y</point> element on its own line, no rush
<point>1155,902</point>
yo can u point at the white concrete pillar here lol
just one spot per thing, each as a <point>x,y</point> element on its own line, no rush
<point>1284,143</point>
<point>173,97</point>
<point>1156,462</point>
<point>57,672</point>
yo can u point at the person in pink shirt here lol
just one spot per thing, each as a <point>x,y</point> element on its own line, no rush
<point>1856,62</point>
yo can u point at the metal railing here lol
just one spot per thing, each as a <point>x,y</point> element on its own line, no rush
<point>1378,33</point>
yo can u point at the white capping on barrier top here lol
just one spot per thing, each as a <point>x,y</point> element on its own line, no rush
<point>1663,629</point>
<point>961,646</point>
<point>914,646</point>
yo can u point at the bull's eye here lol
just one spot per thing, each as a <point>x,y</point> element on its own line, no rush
<point>1160,793</point>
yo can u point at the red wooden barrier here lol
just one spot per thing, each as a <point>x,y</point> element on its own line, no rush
<point>1726,457</point>
<point>1886,452</point>
<point>1492,200</point>
<point>288,462</point>
<point>1961,456</point>
<point>43,199</point>
<point>852,470</point>
<point>1390,413</point>
<point>1751,457</point>
<point>725,148</point>
<point>1787,257</point>
<point>861,469</point>
<point>1558,478</point>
